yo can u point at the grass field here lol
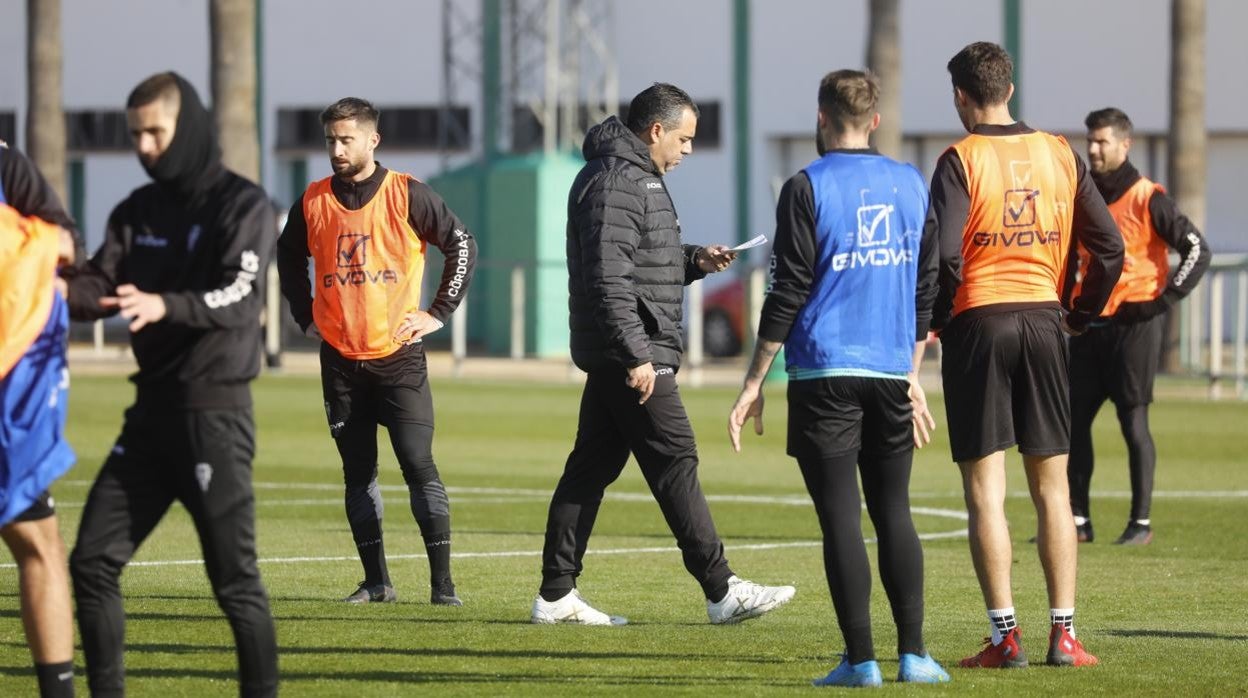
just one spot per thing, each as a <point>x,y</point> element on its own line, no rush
<point>1166,618</point>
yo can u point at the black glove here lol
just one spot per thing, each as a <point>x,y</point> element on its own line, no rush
<point>1130,313</point>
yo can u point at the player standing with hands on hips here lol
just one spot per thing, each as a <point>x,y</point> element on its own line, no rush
<point>366,229</point>
<point>1117,357</point>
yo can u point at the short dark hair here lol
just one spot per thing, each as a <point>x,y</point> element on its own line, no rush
<point>984,71</point>
<point>161,86</point>
<point>848,98</point>
<point>662,103</point>
<point>1112,117</point>
<point>361,110</point>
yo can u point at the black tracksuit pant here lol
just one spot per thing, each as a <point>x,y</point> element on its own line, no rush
<point>612,425</point>
<point>201,458</point>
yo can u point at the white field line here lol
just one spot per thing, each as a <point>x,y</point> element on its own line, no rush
<point>521,495</point>
<point>505,495</point>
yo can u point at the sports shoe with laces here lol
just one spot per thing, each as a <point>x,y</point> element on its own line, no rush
<point>746,600</point>
<point>443,594</point>
<point>861,675</point>
<point>915,669</point>
<point>572,608</point>
<point>376,593</point>
<point>1065,650</point>
<point>1007,655</point>
<point>1136,534</point>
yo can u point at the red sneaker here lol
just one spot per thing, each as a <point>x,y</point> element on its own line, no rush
<point>1007,655</point>
<point>1065,650</point>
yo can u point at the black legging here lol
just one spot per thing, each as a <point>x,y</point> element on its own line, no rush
<point>833,485</point>
<point>1141,458</point>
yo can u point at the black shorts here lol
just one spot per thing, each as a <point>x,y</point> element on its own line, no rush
<point>1118,361</point>
<point>834,416</point>
<point>387,391</point>
<point>42,508</point>
<point>1005,380</point>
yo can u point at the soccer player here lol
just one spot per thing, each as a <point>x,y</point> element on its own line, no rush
<point>183,261</point>
<point>851,299</point>
<point>627,270</point>
<point>1117,357</point>
<point>366,229</point>
<point>1006,201</point>
<point>34,384</point>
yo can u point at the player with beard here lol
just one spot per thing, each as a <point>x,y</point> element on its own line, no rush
<point>182,261</point>
<point>366,229</point>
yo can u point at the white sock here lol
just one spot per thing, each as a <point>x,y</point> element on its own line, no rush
<point>1001,621</point>
<point>1064,617</point>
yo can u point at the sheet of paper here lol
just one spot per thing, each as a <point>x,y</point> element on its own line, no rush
<point>760,240</point>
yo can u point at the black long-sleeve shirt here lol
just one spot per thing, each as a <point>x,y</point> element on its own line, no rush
<point>206,260</point>
<point>794,254</point>
<point>1093,226</point>
<point>429,216</point>
<point>1174,228</point>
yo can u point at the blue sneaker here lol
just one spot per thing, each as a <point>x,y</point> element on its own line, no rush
<point>916,669</point>
<point>862,675</point>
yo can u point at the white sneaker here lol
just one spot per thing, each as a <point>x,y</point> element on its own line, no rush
<point>747,600</point>
<point>571,609</point>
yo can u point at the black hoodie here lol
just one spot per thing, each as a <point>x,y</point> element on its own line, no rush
<point>626,264</point>
<point>200,236</point>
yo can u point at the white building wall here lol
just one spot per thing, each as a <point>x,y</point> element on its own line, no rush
<point>1076,56</point>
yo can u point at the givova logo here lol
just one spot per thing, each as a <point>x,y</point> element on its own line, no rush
<point>353,250</point>
<point>351,256</point>
<point>874,227</point>
<point>873,237</point>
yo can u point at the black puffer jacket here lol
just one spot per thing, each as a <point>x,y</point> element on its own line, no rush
<point>626,265</point>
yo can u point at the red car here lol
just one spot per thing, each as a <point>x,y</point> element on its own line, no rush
<point>723,319</point>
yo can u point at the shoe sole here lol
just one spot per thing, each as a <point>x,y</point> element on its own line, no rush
<point>1135,541</point>
<point>446,601</point>
<point>547,620</point>
<point>1061,659</point>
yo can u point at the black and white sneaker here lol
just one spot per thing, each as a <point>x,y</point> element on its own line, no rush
<point>374,593</point>
<point>443,594</point>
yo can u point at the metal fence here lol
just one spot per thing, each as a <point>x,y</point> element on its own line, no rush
<point>1213,321</point>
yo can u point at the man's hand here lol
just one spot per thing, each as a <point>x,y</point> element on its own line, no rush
<point>921,416</point>
<point>1070,329</point>
<point>312,331</point>
<point>713,258</point>
<point>641,379</point>
<point>65,249</point>
<point>415,325</point>
<point>141,309</point>
<point>749,404</point>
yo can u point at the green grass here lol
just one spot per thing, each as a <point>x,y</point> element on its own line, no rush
<point>1167,617</point>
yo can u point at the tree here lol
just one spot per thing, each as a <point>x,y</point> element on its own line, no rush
<point>45,117</point>
<point>233,27</point>
<point>884,59</point>
<point>1187,138</point>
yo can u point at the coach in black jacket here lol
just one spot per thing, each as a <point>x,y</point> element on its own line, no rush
<point>182,260</point>
<point>626,273</point>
